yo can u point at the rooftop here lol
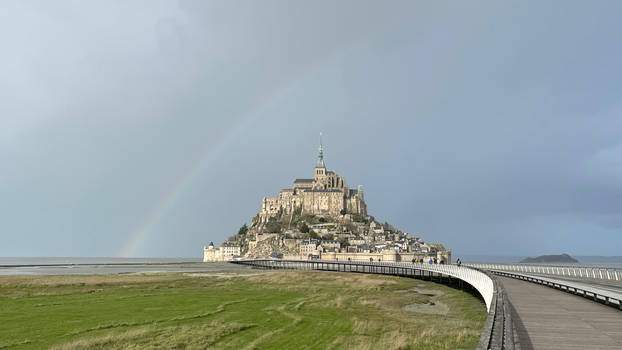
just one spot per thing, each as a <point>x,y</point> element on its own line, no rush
<point>303,180</point>
<point>332,190</point>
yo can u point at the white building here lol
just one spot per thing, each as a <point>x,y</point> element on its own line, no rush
<point>226,252</point>
<point>308,246</point>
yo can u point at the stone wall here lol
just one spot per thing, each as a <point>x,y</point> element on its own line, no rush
<point>326,194</point>
<point>327,202</point>
<point>263,236</point>
<point>291,243</point>
<point>389,256</point>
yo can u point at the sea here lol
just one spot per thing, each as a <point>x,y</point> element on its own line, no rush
<point>103,265</point>
<point>584,260</point>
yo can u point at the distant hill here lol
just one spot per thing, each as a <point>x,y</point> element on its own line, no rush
<point>562,258</point>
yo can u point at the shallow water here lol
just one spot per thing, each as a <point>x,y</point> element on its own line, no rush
<point>89,266</point>
<point>88,260</point>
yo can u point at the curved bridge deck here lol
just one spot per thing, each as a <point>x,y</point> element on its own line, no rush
<point>545,318</point>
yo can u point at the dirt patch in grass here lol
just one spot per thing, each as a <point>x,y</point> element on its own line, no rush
<point>432,306</point>
<point>356,281</point>
<point>180,337</point>
<point>222,275</point>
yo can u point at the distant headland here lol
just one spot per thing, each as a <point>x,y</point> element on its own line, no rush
<point>561,258</point>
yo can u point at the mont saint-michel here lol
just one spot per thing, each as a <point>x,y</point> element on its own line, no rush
<point>323,218</point>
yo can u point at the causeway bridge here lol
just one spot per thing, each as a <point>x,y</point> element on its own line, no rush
<point>529,307</point>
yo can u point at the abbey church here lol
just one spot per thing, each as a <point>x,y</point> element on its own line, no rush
<point>325,194</point>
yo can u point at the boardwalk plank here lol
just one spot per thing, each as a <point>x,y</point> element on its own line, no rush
<point>550,319</point>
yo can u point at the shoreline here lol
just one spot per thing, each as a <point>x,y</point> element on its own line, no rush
<point>105,264</point>
<point>115,268</point>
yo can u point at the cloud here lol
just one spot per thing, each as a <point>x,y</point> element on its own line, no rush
<point>488,128</point>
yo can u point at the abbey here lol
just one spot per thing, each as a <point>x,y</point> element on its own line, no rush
<point>322,218</point>
<point>326,194</point>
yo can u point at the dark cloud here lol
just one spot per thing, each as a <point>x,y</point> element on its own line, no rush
<point>493,128</point>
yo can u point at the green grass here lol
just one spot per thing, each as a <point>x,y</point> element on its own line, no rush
<point>265,310</point>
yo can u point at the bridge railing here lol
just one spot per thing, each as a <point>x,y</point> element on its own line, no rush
<point>581,272</point>
<point>592,292</point>
<point>498,329</point>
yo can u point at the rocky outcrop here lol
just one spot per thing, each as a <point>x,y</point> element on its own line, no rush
<point>269,246</point>
<point>551,259</point>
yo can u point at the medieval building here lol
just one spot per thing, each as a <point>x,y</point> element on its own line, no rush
<point>325,194</point>
<point>342,231</point>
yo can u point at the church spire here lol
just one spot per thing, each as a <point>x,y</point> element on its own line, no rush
<point>320,155</point>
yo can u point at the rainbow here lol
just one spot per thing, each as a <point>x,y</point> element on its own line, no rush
<point>190,174</point>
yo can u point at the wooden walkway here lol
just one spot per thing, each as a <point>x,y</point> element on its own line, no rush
<point>546,318</point>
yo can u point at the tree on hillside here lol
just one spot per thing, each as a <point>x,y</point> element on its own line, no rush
<point>358,218</point>
<point>304,228</point>
<point>350,228</point>
<point>388,227</point>
<point>309,218</point>
<point>343,212</point>
<point>242,231</point>
<point>298,211</point>
<point>273,226</point>
<point>255,219</point>
<point>313,235</point>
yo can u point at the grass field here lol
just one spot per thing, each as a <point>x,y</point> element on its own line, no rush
<point>241,310</point>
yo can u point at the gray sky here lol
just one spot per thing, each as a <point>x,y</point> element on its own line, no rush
<point>149,128</point>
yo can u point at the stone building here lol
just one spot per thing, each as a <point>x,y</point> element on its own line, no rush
<point>226,252</point>
<point>330,245</point>
<point>308,246</point>
<point>326,194</point>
